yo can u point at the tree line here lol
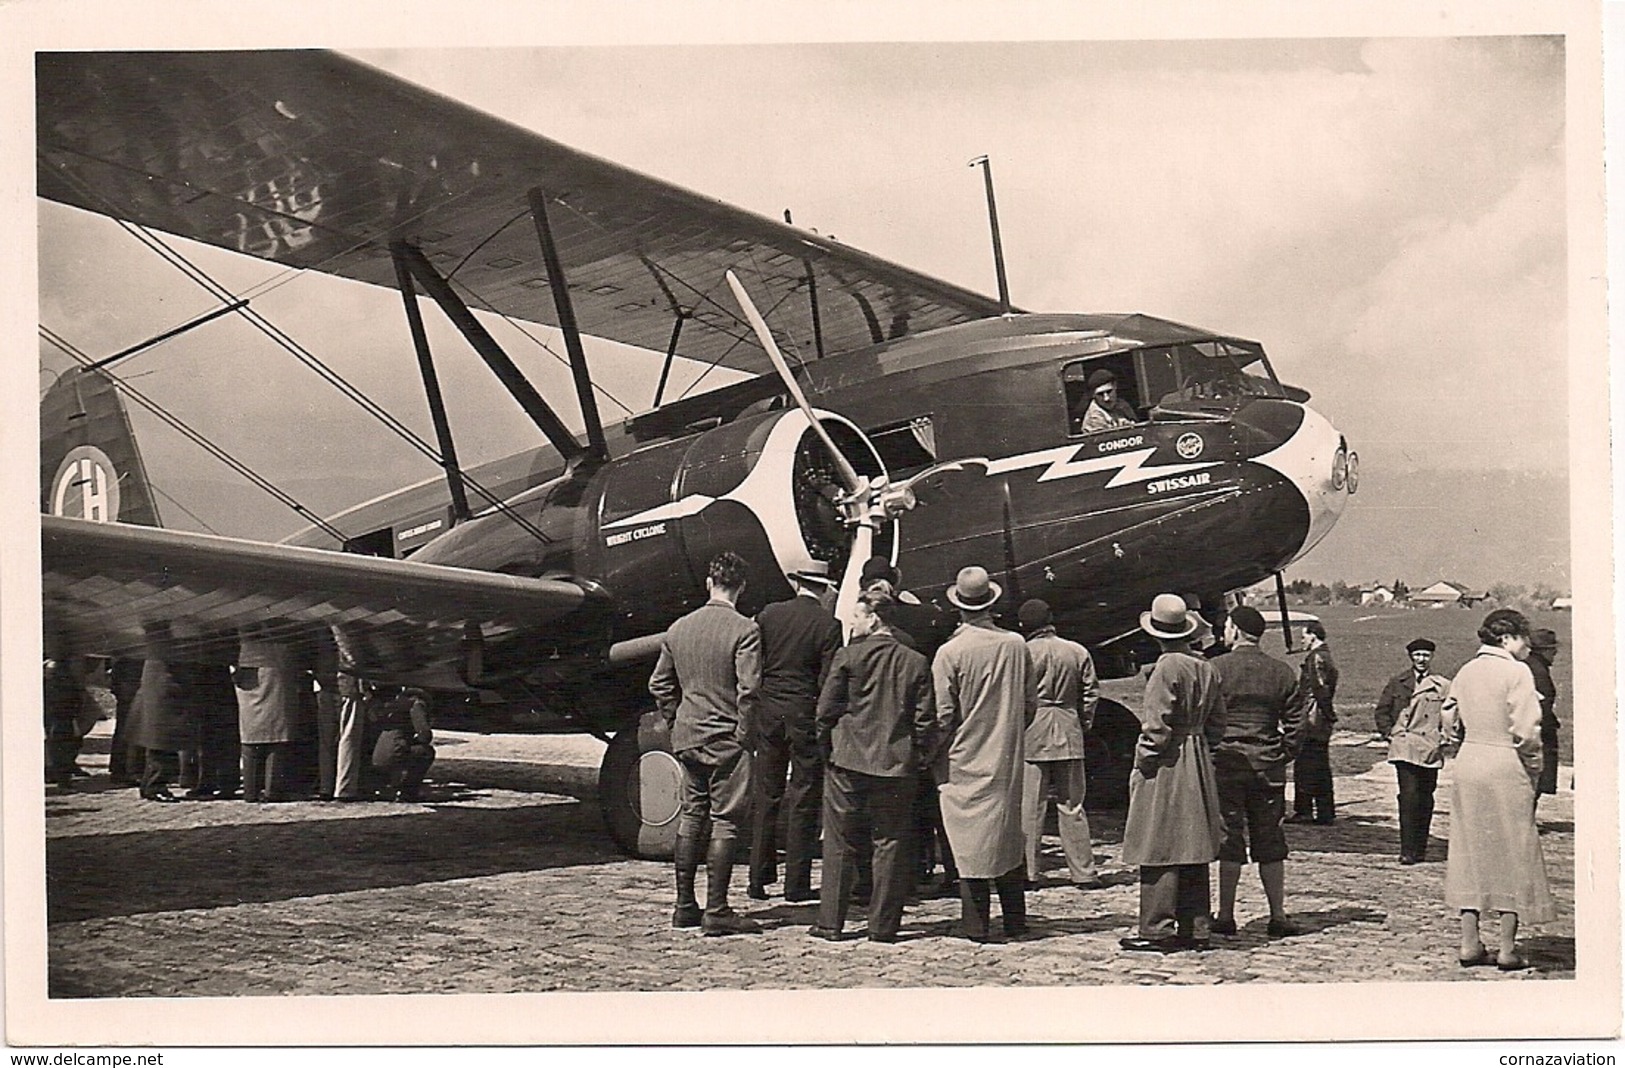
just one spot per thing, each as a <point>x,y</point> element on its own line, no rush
<point>1501,594</point>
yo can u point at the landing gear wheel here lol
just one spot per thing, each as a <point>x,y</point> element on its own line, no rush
<point>640,787</point>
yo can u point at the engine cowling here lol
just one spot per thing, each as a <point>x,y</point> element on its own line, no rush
<point>762,486</point>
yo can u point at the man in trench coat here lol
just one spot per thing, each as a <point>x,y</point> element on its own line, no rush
<point>1173,829</point>
<point>986,691</point>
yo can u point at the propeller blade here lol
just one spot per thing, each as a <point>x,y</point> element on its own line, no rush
<point>854,483</point>
<point>863,540</point>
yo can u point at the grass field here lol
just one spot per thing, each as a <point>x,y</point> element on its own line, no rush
<point>1368,644</point>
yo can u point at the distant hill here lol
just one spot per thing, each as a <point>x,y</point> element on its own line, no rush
<point>1474,527</point>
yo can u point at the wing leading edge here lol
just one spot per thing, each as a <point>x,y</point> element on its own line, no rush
<point>318,161</point>
<point>117,589</point>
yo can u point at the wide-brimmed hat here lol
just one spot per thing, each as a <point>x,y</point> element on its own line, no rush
<point>1169,618</point>
<point>1421,645</point>
<point>1543,639</point>
<point>973,590</point>
<point>813,574</point>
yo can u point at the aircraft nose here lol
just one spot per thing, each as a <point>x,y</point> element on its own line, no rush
<point>1303,447</point>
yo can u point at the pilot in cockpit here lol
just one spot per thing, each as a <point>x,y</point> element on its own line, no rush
<point>1107,409</point>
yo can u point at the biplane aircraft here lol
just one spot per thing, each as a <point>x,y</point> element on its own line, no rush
<point>914,418</point>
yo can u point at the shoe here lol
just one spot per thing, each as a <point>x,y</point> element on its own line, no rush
<point>1283,928</point>
<point>726,921</point>
<point>1030,885</point>
<point>1170,944</point>
<point>826,933</point>
<point>756,893</point>
<point>1299,817</point>
<point>199,793</point>
<point>686,916</point>
<point>1223,927</point>
<point>799,897</point>
<point>1408,861</point>
<point>165,798</point>
<point>1017,930</point>
<point>1483,957</point>
<point>1513,963</point>
<point>883,939</point>
<point>1090,884</point>
<point>79,773</point>
<point>1323,820</point>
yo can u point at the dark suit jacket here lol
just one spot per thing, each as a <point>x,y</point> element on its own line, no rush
<point>1264,714</point>
<point>706,681</point>
<point>799,640</point>
<point>877,713</point>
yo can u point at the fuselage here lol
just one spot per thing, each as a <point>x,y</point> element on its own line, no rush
<point>1225,477</point>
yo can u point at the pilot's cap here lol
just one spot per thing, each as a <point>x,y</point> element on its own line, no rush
<point>1421,645</point>
<point>1101,377</point>
<point>1248,620</point>
<point>1034,614</point>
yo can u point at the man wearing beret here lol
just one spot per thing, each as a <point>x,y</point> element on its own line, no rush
<point>1408,716</point>
<point>1263,730</point>
<point>1107,409</point>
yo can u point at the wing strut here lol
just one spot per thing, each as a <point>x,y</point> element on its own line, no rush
<point>510,376</point>
<point>567,324</point>
<point>431,385</point>
<point>671,353</point>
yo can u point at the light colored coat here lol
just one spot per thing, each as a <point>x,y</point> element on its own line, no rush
<point>1068,691</point>
<point>1411,708</point>
<point>986,695</point>
<point>165,709</point>
<point>265,710</point>
<point>1173,800</point>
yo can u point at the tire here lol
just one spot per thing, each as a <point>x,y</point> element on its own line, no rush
<point>1109,755</point>
<point>639,789</point>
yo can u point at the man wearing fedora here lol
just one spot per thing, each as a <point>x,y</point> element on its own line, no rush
<point>1173,830</point>
<point>799,639</point>
<point>705,685</point>
<point>986,692</point>
<point>1263,728</point>
<point>1068,691</point>
<point>1408,715</point>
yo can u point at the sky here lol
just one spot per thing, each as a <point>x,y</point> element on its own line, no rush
<point>1387,216</point>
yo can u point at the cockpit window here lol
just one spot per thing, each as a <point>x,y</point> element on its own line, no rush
<point>906,447</point>
<point>1206,374</point>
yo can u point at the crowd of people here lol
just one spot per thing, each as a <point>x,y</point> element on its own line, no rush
<point>925,741</point>
<point>273,727</point>
<point>920,741</point>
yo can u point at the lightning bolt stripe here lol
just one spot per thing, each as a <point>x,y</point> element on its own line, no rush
<point>693,504</point>
<point>1063,462</point>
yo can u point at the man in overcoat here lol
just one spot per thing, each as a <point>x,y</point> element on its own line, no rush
<point>799,639</point>
<point>1542,651</point>
<point>876,722</point>
<point>1068,691</point>
<point>986,693</point>
<point>1312,798</point>
<point>705,686</point>
<point>1263,728</point>
<point>1408,715</point>
<point>166,722</point>
<point>1174,828</point>
<point>266,683</point>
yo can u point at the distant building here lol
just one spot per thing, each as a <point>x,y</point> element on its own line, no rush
<point>1376,593</point>
<point>1563,604</point>
<point>1445,592</point>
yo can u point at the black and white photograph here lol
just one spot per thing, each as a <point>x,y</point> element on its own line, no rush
<point>912,525</point>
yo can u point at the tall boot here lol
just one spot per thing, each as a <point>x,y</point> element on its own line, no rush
<point>1424,822</point>
<point>1013,901</point>
<point>719,919</point>
<point>687,857</point>
<point>975,904</point>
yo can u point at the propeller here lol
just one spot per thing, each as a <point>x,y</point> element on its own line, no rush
<point>867,502</point>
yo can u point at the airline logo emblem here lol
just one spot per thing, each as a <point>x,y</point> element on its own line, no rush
<point>86,486</point>
<point>1189,446</point>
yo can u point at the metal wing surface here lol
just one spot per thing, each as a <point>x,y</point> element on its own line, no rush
<point>118,589</point>
<point>318,161</point>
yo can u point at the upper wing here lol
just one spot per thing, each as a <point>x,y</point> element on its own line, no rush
<point>116,589</point>
<point>318,161</point>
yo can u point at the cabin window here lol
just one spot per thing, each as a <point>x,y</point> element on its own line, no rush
<point>1075,384</point>
<point>906,447</point>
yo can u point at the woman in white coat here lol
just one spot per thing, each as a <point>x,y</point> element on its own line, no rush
<point>1495,864</point>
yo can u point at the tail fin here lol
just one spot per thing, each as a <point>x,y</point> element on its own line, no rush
<point>90,466</point>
